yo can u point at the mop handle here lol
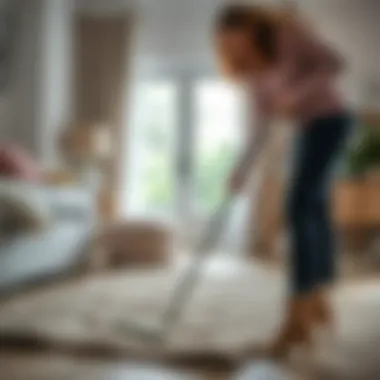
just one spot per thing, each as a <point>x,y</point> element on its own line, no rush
<point>214,227</point>
<point>185,288</point>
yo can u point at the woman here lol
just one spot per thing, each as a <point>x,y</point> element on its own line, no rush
<point>293,75</point>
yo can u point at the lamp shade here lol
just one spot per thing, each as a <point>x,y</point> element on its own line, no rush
<point>83,143</point>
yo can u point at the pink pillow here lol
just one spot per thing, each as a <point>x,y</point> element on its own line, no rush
<point>15,163</point>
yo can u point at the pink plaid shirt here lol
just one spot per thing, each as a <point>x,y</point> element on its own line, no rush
<point>307,70</point>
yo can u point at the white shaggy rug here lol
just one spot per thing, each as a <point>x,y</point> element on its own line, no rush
<point>236,304</point>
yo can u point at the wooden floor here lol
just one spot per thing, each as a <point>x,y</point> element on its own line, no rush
<point>31,367</point>
<point>52,367</point>
<point>22,366</point>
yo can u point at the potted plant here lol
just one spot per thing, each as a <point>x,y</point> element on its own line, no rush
<point>356,210</point>
<point>363,158</point>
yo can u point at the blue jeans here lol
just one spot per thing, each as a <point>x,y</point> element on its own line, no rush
<point>312,246</point>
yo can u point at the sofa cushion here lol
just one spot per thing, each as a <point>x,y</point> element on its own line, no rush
<point>69,203</point>
<point>36,257</point>
<point>21,211</point>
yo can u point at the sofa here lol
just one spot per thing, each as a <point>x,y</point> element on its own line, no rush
<point>69,218</point>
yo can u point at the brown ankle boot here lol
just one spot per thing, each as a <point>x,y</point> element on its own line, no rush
<point>322,314</point>
<point>296,329</point>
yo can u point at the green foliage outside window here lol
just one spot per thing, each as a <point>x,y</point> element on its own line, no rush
<point>211,169</point>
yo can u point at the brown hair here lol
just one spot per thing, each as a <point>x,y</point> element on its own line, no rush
<point>259,23</point>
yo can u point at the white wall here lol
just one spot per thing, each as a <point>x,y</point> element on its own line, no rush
<point>4,113</point>
<point>18,116</point>
<point>103,6</point>
<point>56,76</point>
<point>175,35</point>
<point>353,26</point>
<point>37,100</point>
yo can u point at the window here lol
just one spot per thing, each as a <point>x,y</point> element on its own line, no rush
<point>218,113</point>
<point>185,136</point>
<point>152,169</point>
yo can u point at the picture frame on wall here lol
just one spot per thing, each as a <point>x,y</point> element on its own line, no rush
<point>7,36</point>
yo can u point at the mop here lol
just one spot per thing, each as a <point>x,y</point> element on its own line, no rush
<point>187,282</point>
<point>203,249</point>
